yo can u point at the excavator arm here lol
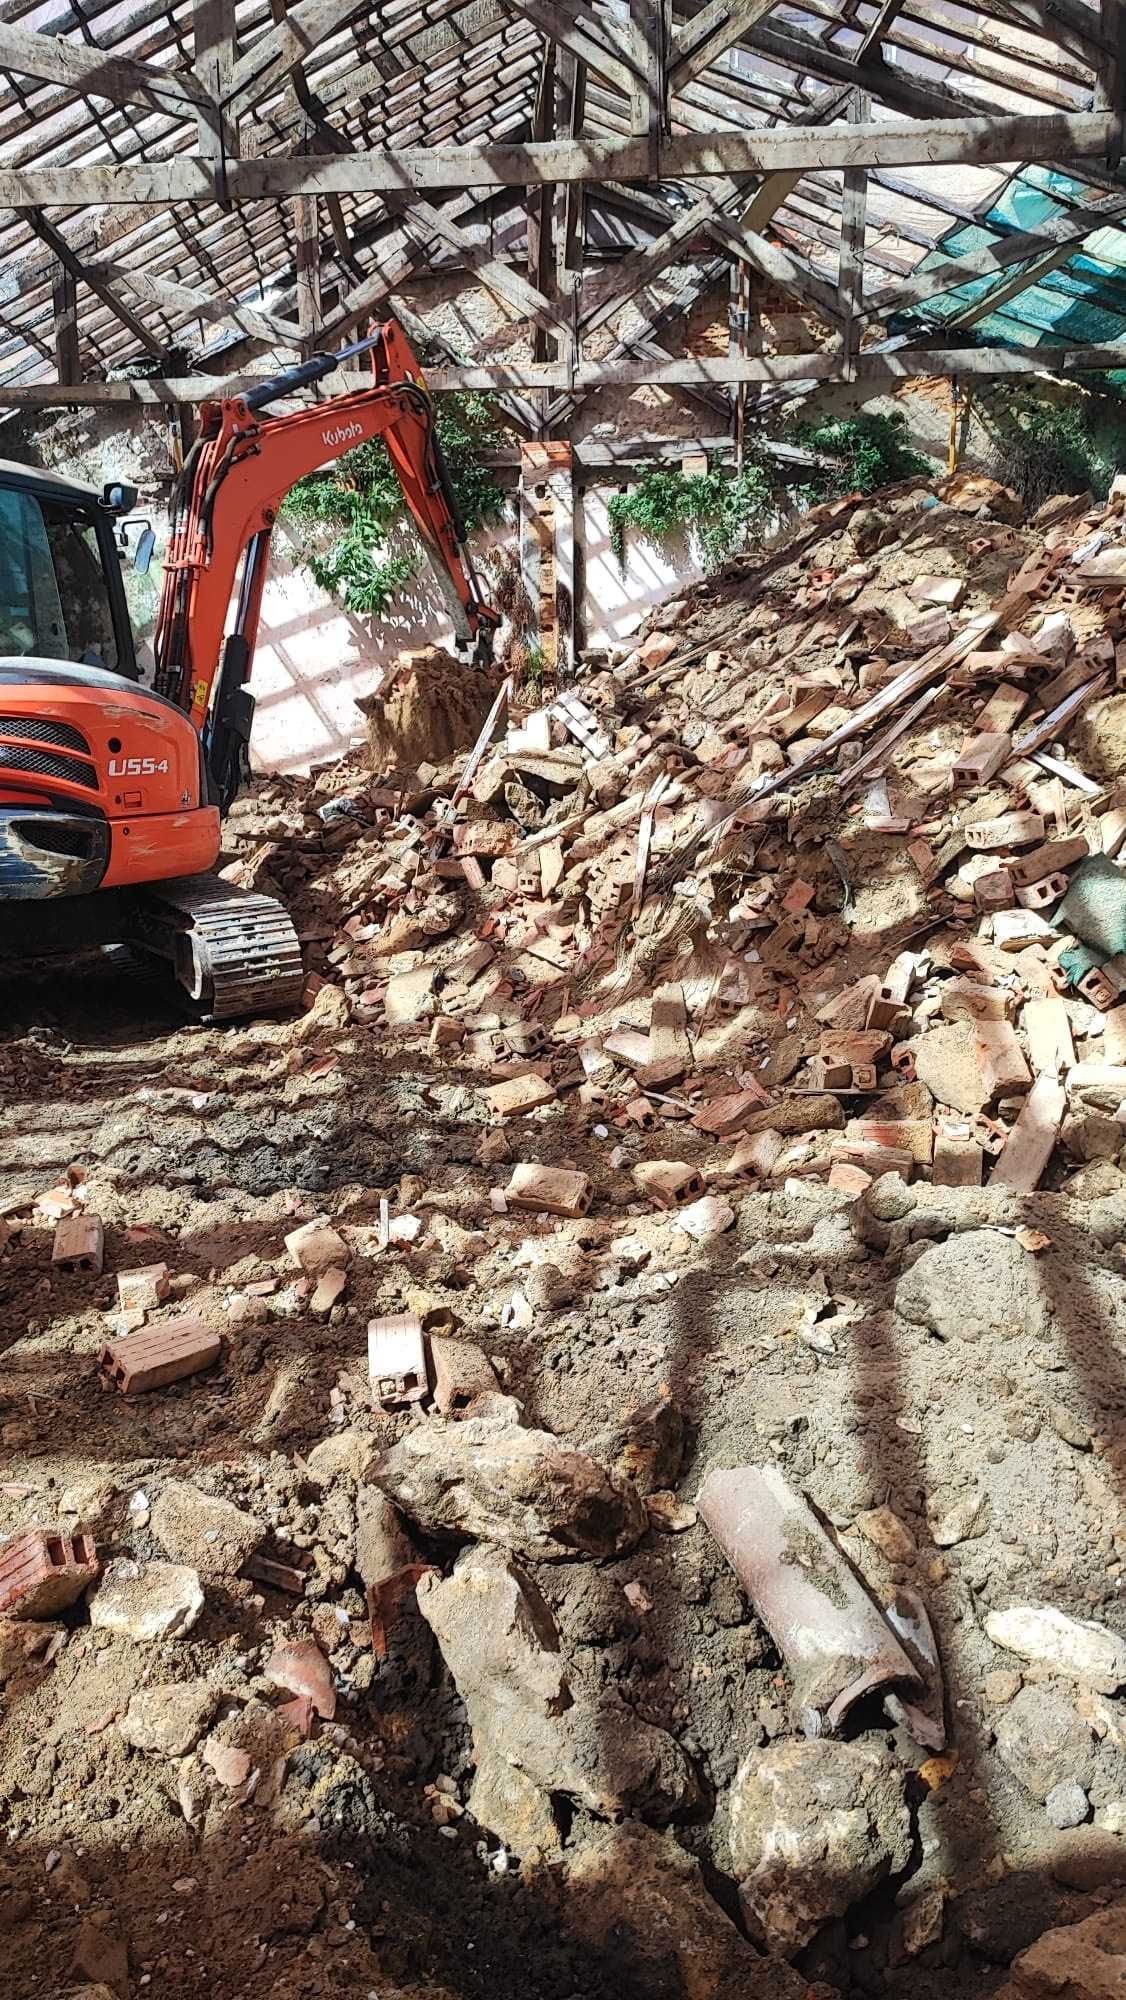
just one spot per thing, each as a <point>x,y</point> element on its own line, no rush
<point>234,481</point>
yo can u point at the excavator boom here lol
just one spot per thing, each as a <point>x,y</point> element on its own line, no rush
<point>235,479</point>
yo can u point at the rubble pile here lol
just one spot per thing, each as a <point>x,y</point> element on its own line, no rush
<point>919,886</point>
<point>590,1461</point>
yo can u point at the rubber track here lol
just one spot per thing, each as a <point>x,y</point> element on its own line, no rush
<point>251,945</point>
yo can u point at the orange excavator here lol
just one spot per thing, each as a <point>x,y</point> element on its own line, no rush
<point>111,794</point>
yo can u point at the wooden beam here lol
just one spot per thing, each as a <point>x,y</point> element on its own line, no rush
<point>540,209</point>
<point>64,301</point>
<point>928,142</point>
<point>216,46</point>
<point>580,31</point>
<point>306,230</point>
<point>423,221</point>
<point>649,103</point>
<point>850,267</point>
<point>793,369</point>
<point>186,302</point>
<point>783,267</point>
<point>709,34</point>
<point>875,32</point>
<point>1066,232</point>
<point>56,241</point>
<point>75,66</point>
<point>270,60</point>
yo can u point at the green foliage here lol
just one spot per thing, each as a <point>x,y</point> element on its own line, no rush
<point>353,508</point>
<point>718,511</point>
<point>868,451</point>
<point>1045,445</point>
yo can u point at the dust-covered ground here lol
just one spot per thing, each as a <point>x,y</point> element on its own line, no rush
<point>782,1341</point>
<point>941,1370</point>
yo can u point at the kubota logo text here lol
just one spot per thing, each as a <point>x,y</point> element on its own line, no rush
<point>342,433</point>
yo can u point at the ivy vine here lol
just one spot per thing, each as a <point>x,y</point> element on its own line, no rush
<point>719,511</point>
<point>866,452</point>
<point>354,507</point>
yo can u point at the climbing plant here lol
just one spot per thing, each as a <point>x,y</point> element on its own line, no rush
<point>354,509</point>
<point>1043,445</point>
<point>866,451</point>
<point>719,511</point>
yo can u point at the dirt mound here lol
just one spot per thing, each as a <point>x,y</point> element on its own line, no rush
<point>433,706</point>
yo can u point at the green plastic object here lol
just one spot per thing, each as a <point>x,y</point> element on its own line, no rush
<point>1077,961</point>
<point>1094,908</point>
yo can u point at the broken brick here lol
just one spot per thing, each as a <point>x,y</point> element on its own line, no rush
<point>316,1247</point>
<point>555,1190</point>
<point>994,891</point>
<point>956,1163</point>
<point>1032,1139</point>
<point>722,1116</point>
<point>982,758</point>
<point>159,1355</point>
<point>142,1290</point>
<point>668,1182</point>
<point>79,1245</point>
<point>462,1372</point>
<point>968,1000</point>
<point>520,1094</point>
<point>397,1360</point>
<point>43,1571</point>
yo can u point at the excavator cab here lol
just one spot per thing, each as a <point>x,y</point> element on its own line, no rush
<point>61,593</point>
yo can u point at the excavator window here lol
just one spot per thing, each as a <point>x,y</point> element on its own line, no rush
<point>54,599</point>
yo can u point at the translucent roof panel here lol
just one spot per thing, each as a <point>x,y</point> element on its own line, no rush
<point>1083,298</point>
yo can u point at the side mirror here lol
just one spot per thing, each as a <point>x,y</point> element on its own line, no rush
<point>119,498</point>
<point>143,553</point>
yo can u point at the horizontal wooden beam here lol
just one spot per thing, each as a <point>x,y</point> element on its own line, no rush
<point>89,72</point>
<point>775,149</point>
<point>823,365</point>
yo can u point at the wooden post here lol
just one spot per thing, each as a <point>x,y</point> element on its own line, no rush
<point>216,50</point>
<point>65,303</point>
<point>541,203</point>
<point>307,234</point>
<point>850,273</point>
<point>561,488</point>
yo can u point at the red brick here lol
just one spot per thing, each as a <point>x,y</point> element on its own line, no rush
<point>668,1182</point>
<point>1051,859</point>
<point>43,1571</point>
<point>910,1135</point>
<point>722,1116</point>
<point>556,1190</point>
<point>79,1244</point>
<point>159,1355</point>
<point>142,1290</point>
<point>519,1094</point>
<point>848,1177</point>
<point>1040,895</point>
<point>982,758</point>
<point>875,1159</point>
<point>1014,829</point>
